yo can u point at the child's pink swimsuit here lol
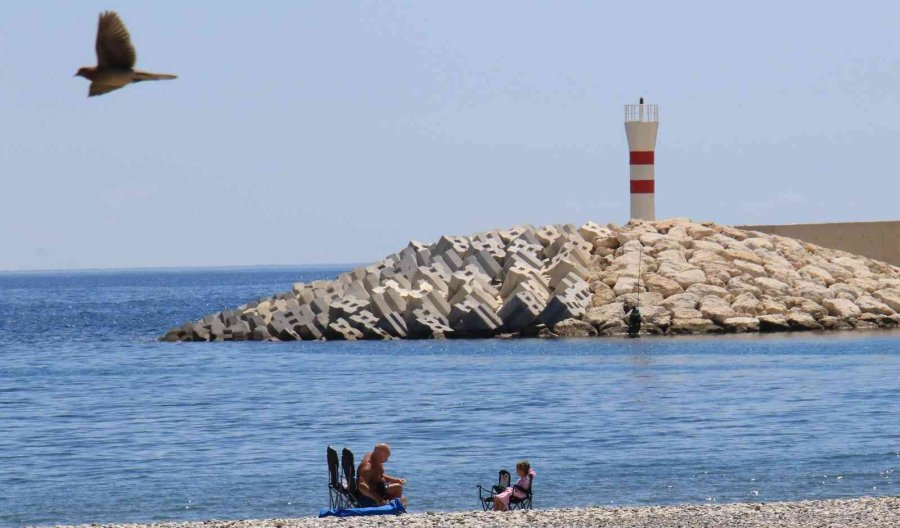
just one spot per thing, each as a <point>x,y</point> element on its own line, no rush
<point>524,483</point>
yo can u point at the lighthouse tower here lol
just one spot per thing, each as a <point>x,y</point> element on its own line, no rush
<point>641,124</point>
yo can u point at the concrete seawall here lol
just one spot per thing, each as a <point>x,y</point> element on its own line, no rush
<point>877,240</point>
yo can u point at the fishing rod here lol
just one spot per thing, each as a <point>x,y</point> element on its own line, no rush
<point>634,317</point>
<point>637,285</point>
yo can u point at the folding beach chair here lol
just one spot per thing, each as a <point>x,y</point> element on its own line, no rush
<point>352,491</point>
<point>337,491</point>
<point>525,502</point>
<point>486,496</point>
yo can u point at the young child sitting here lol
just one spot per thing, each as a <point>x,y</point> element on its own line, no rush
<point>519,490</point>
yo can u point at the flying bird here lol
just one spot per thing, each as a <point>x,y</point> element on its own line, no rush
<point>115,59</point>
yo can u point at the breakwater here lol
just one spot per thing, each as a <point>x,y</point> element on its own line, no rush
<point>565,280</point>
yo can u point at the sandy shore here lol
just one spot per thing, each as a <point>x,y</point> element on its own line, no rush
<point>865,512</point>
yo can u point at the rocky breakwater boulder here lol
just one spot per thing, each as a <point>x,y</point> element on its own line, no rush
<point>564,280</point>
<point>703,277</point>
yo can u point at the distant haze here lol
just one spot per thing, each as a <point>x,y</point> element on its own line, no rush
<point>312,132</point>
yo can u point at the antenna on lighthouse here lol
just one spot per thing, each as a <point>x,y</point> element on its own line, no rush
<point>641,125</point>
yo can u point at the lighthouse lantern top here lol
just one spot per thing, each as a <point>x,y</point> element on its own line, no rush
<point>644,113</point>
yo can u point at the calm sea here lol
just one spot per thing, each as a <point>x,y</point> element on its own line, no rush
<point>100,423</point>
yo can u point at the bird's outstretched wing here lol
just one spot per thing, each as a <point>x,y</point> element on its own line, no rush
<point>100,89</point>
<point>114,48</point>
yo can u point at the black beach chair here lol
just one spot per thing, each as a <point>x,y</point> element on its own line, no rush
<point>337,491</point>
<point>352,491</point>
<point>486,496</point>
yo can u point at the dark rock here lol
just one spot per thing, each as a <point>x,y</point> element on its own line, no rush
<point>574,328</point>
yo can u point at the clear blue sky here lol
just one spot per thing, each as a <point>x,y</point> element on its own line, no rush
<point>313,132</point>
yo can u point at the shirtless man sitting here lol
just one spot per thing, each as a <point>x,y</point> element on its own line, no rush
<point>376,488</point>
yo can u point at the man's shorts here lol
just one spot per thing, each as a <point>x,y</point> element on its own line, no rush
<point>380,490</point>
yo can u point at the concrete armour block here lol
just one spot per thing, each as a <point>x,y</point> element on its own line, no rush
<point>395,299</point>
<point>516,275</point>
<point>358,290</point>
<point>485,261</point>
<point>439,301</point>
<point>417,246</point>
<point>479,321</point>
<point>460,309</point>
<point>378,334</point>
<point>431,299</point>
<point>568,243</point>
<point>423,258</point>
<point>175,335</point>
<point>572,283</point>
<point>371,281</point>
<point>561,307</point>
<point>394,324</point>
<point>399,280</point>
<point>284,296</point>
<point>436,276</point>
<point>320,284</point>
<point>230,317</point>
<point>364,321</point>
<point>388,262</point>
<point>591,230</point>
<point>279,328</point>
<point>576,254</point>
<point>342,330</point>
<point>489,237</point>
<point>199,332</point>
<point>569,231</point>
<point>255,321</point>
<point>427,323</point>
<point>305,324</point>
<point>239,331</point>
<point>346,307</point>
<point>408,264</point>
<point>310,330</point>
<point>450,260</point>
<point>546,235</point>
<point>561,268</point>
<point>379,305</point>
<point>522,258</point>
<point>522,232</point>
<point>320,305</point>
<point>456,244</point>
<point>493,247</point>
<point>488,298</point>
<point>304,295</point>
<point>215,327</point>
<point>290,305</point>
<point>260,333</point>
<point>357,274</point>
<point>474,289</point>
<point>467,275</point>
<point>534,287</point>
<point>520,311</point>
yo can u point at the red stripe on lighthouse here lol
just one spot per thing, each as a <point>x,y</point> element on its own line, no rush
<point>641,157</point>
<point>642,186</point>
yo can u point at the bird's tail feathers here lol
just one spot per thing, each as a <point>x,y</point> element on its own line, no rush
<point>145,76</point>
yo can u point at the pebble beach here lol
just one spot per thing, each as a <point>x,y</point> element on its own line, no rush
<point>868,512</point>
